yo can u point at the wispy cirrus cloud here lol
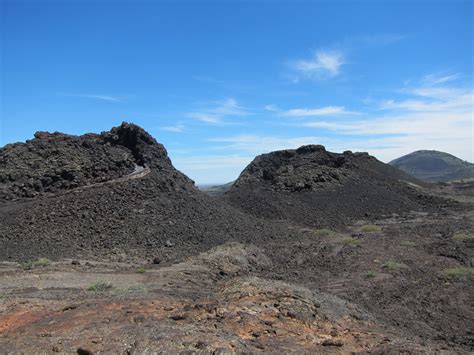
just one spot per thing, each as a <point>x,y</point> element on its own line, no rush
<point>216,112</point>
<point>179,128</point>
<point>438,78</point>
<point>321,111</point>
<point>256,144</point>
<point>93,96</point>
<point>432,118</point>
<point>310,112</point>
<point>323,63</point>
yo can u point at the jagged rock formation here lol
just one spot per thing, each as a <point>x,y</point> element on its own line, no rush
<point>55,162</point>
<point>434,166</point>
<point>310,185</point>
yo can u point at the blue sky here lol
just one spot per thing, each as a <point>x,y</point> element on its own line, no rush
<point>220,82</point>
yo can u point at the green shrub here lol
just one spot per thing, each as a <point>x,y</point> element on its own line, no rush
<point>370,228</point>
<point>130,290</point>
<point>393,265</point>
<point>462,236</point>
<point>370,274</point>
<point>100,286</point>
<point>41,262</point>
<point>460,272</point>
<point>407,243</point>
<point>324,232</point>
<point>141,270</point>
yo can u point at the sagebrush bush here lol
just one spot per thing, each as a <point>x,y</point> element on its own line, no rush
<point>393,265</point>
<point>324,232</point>
<point>100,286</point>
<point>460,272</point>
<point>369,228</point>
<point>41,262</point>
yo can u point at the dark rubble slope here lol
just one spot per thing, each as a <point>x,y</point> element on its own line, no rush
<point>311,186</point>
<point>434,166</point>
<point>159,215</point>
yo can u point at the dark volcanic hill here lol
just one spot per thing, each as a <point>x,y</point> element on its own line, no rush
<point>312,186</point>
<point>57,162</point>
<point>107,193</point>
<point>434,166</point>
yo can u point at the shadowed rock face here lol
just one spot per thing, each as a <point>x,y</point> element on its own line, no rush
<point>55,162</point>
<point>310,185</point>
<point>144,148</point>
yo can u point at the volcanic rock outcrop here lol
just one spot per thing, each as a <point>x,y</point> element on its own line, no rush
<point>78,196</point>
<point>312,186</point>
<point>54,162</point>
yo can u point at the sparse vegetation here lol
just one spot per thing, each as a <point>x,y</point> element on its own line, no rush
<point>41,262</point>
<point>407,243</point>
<point>460,272</point>
<point>100,286</point>
<point>324,232</point>
<point>393,265</point>
<point>370,274</point>
<point>130,290</point>
<point>370,228</point>
<point>141,270</point>
<point>354,242</point>
<point>462,236</point>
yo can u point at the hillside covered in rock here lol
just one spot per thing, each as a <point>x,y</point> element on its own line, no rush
<point>310,185</point>
<point>55,162</point>
<point>92,202</point>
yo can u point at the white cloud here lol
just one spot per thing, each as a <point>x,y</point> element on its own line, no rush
<point>438,78</point>
<point>434,100</point>
<point>217,111</point>
<point>435,118</point>
<point>322,111</point>
<point>272,108</point>
<point>96,97</point>
<point>175,129</point>
<point>323,62</point>
<point>254,144</point>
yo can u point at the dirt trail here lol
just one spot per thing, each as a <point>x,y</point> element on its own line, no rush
<point>138,173</point>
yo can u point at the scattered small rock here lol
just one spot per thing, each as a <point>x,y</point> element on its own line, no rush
<point>332,342</point>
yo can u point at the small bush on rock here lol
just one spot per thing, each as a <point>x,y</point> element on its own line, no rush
<point>460,272</point>
<point>370,228</point>
<point>100,286</point>
<point>393,265</point>
<point>324,232</point>
<point>41,262</point>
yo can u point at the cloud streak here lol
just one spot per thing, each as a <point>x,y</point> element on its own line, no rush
<point>323,63</point>
<point>95,97</point>
<point>218,111</point>
<point>434,118</point>
<point>322,111</point>
<point>179,128</point>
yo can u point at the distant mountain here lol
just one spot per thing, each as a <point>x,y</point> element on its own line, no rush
<point>434,166</point>
<point>216,190</point>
